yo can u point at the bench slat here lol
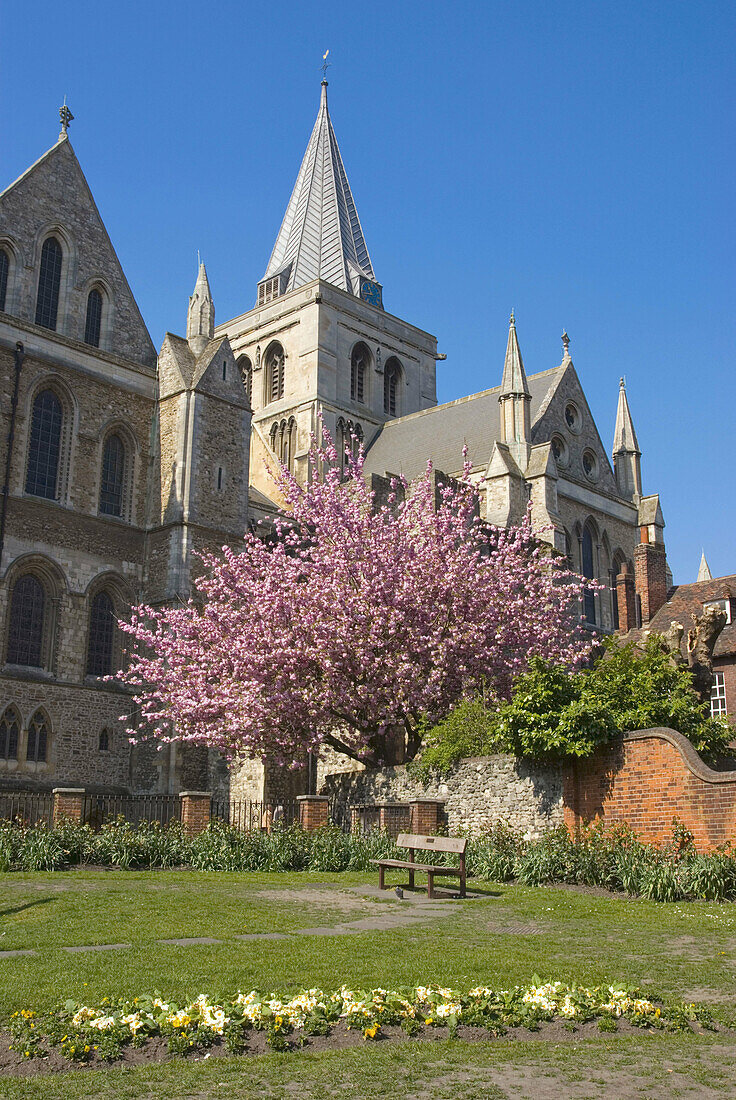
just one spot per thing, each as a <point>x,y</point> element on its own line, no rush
<point>435,843</point>
<point>405,865</point>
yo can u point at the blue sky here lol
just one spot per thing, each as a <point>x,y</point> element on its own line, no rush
<point>572,160</point>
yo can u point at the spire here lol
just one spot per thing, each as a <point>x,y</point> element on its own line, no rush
<point>514,379</point>
<point>201,315</point>
<point>321,235</point>
<point>704,573</point>
<point>624,437</point>
<point>626,453</point>
<point>514,396</point>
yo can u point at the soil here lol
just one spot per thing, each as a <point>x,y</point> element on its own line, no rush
<point>156,1050</point>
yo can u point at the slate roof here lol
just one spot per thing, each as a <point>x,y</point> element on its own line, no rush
<point>403,446</point>
<point>321,236</point>
<point>685,600</point>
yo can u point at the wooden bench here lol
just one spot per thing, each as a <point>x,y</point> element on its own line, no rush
<point>415,842</point>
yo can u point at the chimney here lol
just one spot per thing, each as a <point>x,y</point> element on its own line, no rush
<point>650,572</point>
<point>626,599</point>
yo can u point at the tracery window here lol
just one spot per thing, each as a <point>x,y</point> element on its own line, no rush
<point>246,368</point>
<point>49,282</point>
<point>359,364</point>
<point>283,442</point>
<point>4,270</point>
<point>391,377</point>
<point>93,323</point>
<point>9,734</point>
<point>42,474</point>
<point>112,481</point>
<point>38,738</point>
<point>101,644</point>
<point>588,571</point>
<point>275,373</point>
<point>27,614</point>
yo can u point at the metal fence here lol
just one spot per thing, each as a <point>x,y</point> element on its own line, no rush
<point>245,815</point>
<point>137,808</point>
<point>26,807</point>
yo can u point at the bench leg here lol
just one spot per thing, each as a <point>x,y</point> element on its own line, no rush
<point>462,881</point>
<point>411,880</point>
<point>430,884</point>
<point>381,872</point>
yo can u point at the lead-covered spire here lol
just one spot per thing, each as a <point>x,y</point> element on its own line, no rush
<point>320,236</point>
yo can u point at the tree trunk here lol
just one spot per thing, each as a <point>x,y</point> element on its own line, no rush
<point>701,641</point>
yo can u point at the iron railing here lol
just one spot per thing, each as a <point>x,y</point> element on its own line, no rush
<point>27,807</point>
<point>247,815</point>
<point>136,808</point>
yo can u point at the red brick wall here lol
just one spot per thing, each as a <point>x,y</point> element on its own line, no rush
<point>650,572</point>
<point>645,780</point>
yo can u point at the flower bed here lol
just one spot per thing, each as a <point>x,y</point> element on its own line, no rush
<point>85,1032</point>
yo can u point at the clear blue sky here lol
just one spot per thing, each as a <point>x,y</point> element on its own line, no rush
<point>572,160</point>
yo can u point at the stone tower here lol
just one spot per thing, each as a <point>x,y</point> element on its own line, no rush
<point>319,341</point>
<point>626,453</point>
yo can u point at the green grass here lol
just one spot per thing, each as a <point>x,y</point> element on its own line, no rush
<point>679,950</point>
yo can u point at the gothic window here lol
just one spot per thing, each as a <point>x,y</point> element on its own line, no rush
<point>101,644</point>
<point>283,442</point>
<point>112,482</point>
<point>26,628</point>
<point>359,364</point>
<point>9,734</point>
<point>224,370</point>
<point>49,281</point>
<point>220,475</point>
<point>341,442</point>
<point>587,557</point>
<point>45,446</point>
<point>38,738</point>
<point>246,369</point>
<point>391,378</point>
<point>4,269</point>
<point>93,324</point>
<point>275,373</point>
<point>103,743</point>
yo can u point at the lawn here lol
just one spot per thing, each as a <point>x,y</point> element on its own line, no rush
<point>679,951</point>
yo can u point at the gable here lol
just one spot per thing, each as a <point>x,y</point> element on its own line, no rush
<point>53,198</point>
<point>579,438</point>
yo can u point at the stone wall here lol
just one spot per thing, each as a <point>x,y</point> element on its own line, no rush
<point>478,792</point>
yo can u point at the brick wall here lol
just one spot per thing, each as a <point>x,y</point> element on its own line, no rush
<point>645,780</point>
<point>650,569</point>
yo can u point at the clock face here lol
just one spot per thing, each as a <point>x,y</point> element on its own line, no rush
<point>371,292</point>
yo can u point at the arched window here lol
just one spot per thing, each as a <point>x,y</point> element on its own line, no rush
<point>101,644</point>
<point>4,270</point>
<point>246,369</point>
<point>283,442</point>
<point>38,738</point>
<point>27,614</point>
<point>42,475</point>
<point>49,281</point>
<point>275,373</point>
<point>93,324</point>
<point>9,734</point>
<point>359,364</point>
<point>341,443</point>
<point>391,378</point>
<point>587,556</point>
<point>103,743</point>
<point>112,482</point>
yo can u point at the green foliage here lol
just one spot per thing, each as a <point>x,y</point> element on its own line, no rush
<point>554,713</point>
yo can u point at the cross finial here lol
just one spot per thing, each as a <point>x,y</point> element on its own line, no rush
<point>66,117</point>
<point>512,319</point>
<point>566,344</point>
<point>622,383</point>
<point>325,66</point>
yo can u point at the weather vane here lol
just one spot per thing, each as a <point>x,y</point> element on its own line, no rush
<point>325,64</point>
<point>66,117</point>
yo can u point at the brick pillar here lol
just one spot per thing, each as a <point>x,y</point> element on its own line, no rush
<point>425,816</point>
<point>626,599</point>
<point>650,570</point>
<point>313,811</point>
<point>195,811</point>
<point>68,804</point>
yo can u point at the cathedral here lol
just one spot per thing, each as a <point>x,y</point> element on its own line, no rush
<point>120,465</point>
